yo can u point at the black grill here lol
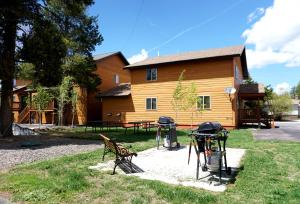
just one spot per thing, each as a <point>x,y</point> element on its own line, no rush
<point>167,127</point>
<point>165,120</point>
<point>210,138</point>
<point>210,128</point>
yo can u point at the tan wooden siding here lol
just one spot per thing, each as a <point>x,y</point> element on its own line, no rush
<point>117,105</point>
<point>211,78</point>
<point>106,69</point>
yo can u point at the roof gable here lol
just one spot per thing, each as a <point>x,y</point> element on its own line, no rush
<point>197,55</point>
<point>108,54</point>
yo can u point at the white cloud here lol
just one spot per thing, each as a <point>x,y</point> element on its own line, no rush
<point>138,57</point>
<point>282,88</point>
<point>255,14</point>
<point>275,35</point>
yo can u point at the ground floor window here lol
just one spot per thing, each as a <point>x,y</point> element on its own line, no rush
<point>151,103</point>
<point>204,102</point>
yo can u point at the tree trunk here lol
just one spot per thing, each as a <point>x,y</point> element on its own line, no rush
<point>73,114</point>
<point>7,63</point>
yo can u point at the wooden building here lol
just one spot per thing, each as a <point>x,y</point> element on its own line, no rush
<point>110,68</point>
<point>154,80</point>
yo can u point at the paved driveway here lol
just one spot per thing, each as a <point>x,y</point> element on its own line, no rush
<point>283,131</point>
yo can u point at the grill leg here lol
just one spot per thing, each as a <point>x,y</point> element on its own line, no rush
<point>220,169</point>
<point>198,165</point>
<point>190,149</point>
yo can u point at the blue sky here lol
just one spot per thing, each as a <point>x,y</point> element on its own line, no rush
<point>144,28</point>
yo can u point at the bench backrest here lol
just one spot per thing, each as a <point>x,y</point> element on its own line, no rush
<point>114,147</point>
<point>109,143</point>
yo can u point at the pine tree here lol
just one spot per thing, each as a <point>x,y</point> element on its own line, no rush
<point>23,36</point>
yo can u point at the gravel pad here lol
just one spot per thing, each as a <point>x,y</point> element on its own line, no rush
<point>13,151</point>
<point>171,167</point>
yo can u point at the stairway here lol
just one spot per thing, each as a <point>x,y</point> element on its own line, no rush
<point>24,115</point>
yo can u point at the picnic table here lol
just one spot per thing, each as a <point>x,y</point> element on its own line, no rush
<point>101,124</point>
<point>144,123</point>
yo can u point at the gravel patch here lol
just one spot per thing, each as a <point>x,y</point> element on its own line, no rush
<point>12,153</point>
<point>171,167</point>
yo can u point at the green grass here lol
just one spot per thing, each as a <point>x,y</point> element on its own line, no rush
<point>270,174</point>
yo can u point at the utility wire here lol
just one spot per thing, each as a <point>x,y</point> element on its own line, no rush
<point>134,25</point>
<point>196,26</point>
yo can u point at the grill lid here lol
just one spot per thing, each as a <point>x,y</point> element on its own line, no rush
<point>165,120</point>
<point>210,127</point>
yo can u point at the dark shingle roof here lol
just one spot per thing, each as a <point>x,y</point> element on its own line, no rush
<point>195,55</point>
<point>203,54</point>
<point>123,89</point>
<point>104,55</point>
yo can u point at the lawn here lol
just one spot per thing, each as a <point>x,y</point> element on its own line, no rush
<point>270,174</point>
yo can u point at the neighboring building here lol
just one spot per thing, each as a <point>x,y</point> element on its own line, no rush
<point>143,91</point>
<point>154,80</point>
<point>294,114</point>
<point>110,68</point>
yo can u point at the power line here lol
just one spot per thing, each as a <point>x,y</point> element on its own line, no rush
<point>135,23</point>
<point>206,21</point>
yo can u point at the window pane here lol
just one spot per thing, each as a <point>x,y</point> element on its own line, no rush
<point>200,102</point>
<point>153,103</point>
<point>148,103</point>
<point>154,74</point>
<point>206,102</point>
<point>148,74</point>
<point>117,79</point>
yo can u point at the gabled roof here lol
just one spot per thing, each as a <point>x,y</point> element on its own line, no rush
<point>108,54</point>
<point>123,89</point>
<point>196,55</point>
<point>19,88</point>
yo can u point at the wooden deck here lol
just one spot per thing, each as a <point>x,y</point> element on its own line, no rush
<point>254,116</point>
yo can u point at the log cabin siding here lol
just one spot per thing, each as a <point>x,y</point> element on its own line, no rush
<point>115,105</point>
<point>211,78</point>
<point>106,69</point>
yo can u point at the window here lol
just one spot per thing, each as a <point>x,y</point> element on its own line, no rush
<point>151,103</point>
<point>203,102</point>
<point>236,72</point>
<point>151,74</point>
<point>116,79</point>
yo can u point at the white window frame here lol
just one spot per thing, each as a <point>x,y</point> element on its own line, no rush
<point>116,79</point>
<point>151,69</point>
<point>151,103</point>
<point>203,102</point>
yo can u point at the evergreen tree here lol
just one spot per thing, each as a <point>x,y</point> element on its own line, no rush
<point>23,36</point>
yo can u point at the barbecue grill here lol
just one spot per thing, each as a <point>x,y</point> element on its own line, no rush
<point>167,127</point>
<point>210,139</point>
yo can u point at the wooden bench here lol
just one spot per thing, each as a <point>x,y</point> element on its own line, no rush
<point>122,154</point>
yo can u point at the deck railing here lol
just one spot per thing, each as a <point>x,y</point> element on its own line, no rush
<point>250,114</point>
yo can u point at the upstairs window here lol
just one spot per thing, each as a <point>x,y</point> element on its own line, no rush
<point>203,102</point>
<point>116,79</point>
<point>151,74</point>
<point>151,104</point>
